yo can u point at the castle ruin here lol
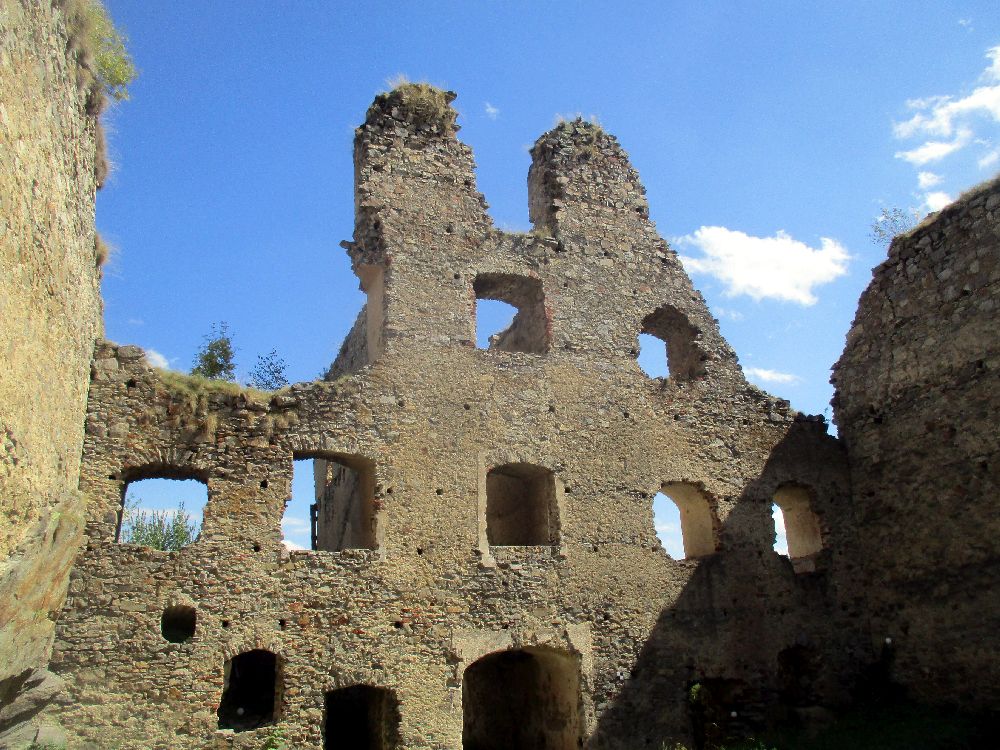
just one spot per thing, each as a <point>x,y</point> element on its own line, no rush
<point>486,572</point>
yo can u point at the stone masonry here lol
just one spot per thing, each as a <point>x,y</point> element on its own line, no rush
<point>50,316</point>
<point>918,393</point>
<point>506,588</point>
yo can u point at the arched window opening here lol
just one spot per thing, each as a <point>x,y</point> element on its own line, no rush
<point>251,693</point>
<point>684,520</point>
<point>522,698</point>
<point>361,717</point>
<point>178,623</point>
<point>528,330</point>
<point>521,508</point>
<point>332,507</point>
<point>161,508</point>
<point>682,360</point>
<point>801,526</point>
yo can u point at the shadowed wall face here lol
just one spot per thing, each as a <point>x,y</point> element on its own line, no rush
<point>917,394</point>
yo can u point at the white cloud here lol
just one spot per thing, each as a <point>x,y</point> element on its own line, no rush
<point>989,159</point>
<point>491,111</point>
<point>992,73</point>
<point>965,23</point>
<point>135,321</point>
<point>935,150</point>
<point>728,312</point>
<point>778,267</point>
<point>928,179</point>
<point>947,124</point>
<point>294,524</point>
<point>156,359</point>
<point>936,200</point>
<point>940,118</point>
<point>770,376</point>
<point>291,546</point>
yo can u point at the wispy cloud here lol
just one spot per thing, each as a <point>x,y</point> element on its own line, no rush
<point>778,267</point>
<point>491,111</point>
<point>771,376</point>
<point>135,321</point>
<point>928,180</point>
<point>728,312</point>
<point>935,150</point>
<point>156,359</point>
<point>294,525</point>
<point>291,546</point>
<point>936,200</point>
<point>989,160</point>
<point>945,125</point>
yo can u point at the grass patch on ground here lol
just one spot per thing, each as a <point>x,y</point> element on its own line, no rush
<point>899,726</point>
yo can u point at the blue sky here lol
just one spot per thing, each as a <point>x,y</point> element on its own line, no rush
<point>769,136</point>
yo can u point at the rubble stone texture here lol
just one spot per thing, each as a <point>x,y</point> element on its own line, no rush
<point>487,573</point>
<point>918,394</point>
<point>500,500</point>
<point>50,315</point>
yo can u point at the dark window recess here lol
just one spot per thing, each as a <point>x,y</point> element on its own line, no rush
<point>178,623</point>
<point>522,699</point>
<point>361,717</point>
<point>250,695</point>
<point>521,507</point>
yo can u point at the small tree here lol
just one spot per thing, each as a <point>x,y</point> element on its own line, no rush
<point>215,359</point>
<point>159,529</point>
<point>269,372</point>
<point>891,222</point>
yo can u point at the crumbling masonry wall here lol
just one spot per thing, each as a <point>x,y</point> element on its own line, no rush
<point>50,312</point>
<point>917,395</point>
<point>629,628</point>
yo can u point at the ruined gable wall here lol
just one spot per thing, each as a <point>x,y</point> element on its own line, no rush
<point>917,394</point>
<point>434,414</point>
<point>50,313</point>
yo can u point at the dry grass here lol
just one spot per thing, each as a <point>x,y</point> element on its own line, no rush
<point>194,387</point>
<point>103,250</point>
<point>419,103</point>
<point>104,68</point>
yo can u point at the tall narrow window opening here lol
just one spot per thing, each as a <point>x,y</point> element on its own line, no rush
<point>801,526</point>
<point>251,693</point>
<point>528,331</point>
<point>521,508</point>
<point>361,717</point>
<point>684,520</point>
<point>524,698</point>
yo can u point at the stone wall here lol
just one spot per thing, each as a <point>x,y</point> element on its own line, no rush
<point>50,315</point>
<point>601,622</point>
<point>917,394</point>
